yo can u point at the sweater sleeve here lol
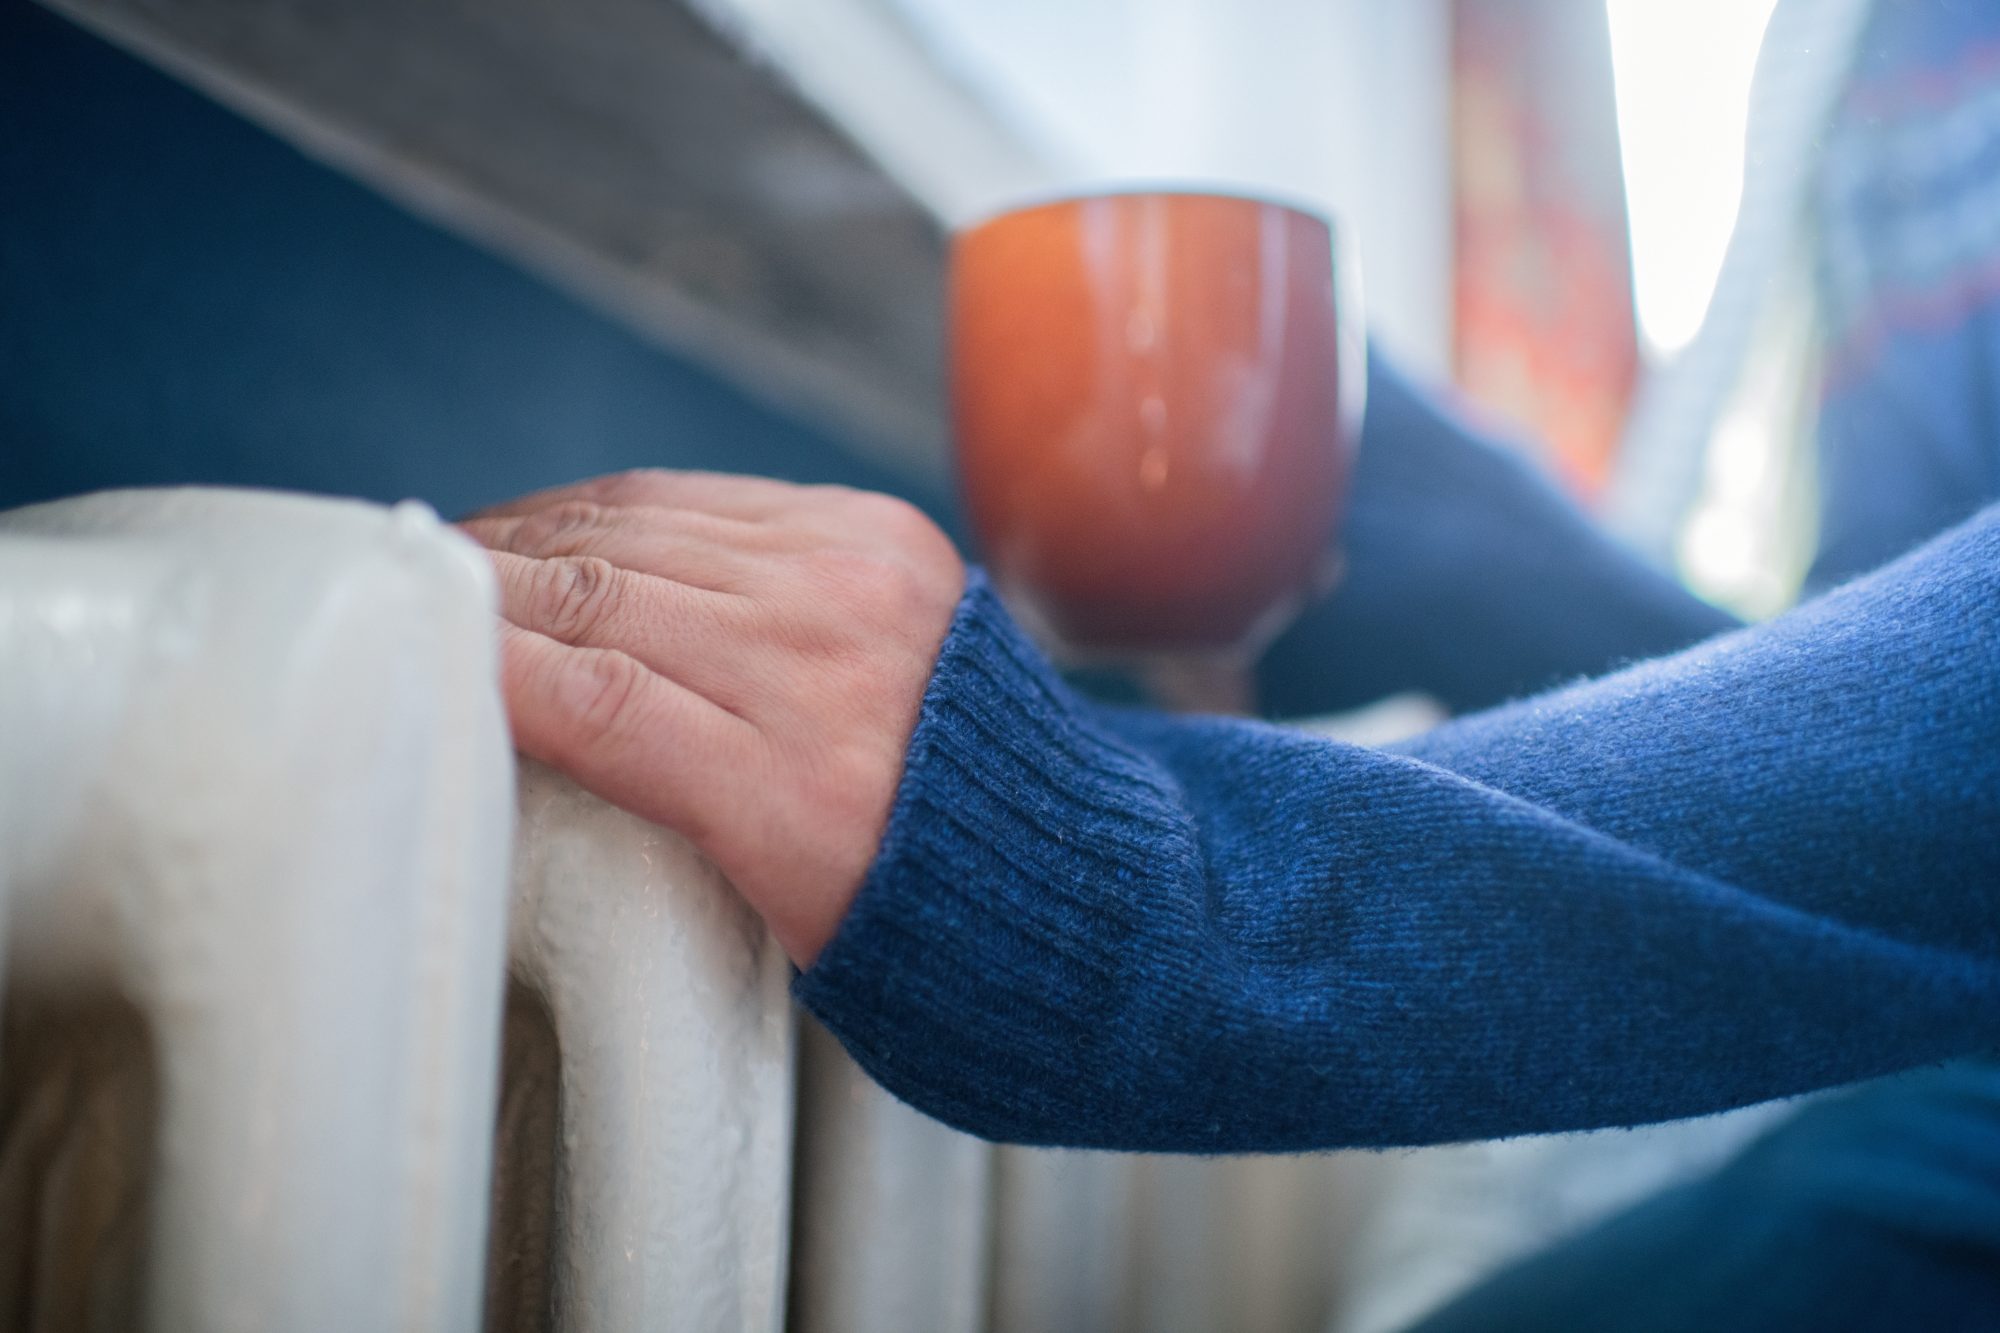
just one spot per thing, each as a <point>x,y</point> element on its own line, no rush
<point>1768,864</point>
<point>1468,576</point>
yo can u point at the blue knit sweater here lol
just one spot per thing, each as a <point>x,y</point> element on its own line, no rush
<point>1767,864</point>
<point>1759,861</point>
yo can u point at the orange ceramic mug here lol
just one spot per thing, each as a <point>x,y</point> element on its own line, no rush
<point>1156,399</point>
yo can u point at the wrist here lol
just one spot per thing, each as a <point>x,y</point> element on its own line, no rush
<point>977,927</point>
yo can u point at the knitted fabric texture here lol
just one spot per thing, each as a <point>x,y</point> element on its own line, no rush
<point>1763,865</point>
<point>1468,576</point>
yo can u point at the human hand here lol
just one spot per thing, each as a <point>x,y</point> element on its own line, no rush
<point>739,659</point>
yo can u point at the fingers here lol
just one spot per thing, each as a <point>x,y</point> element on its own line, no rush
<point>749,498</point>
<point>678,631</point>
<point>702,550</point>
<point>696,527</point>
<point>633,737</point>
<point>736,658</point>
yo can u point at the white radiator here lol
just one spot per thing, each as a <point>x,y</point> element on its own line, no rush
<point>287,1047</point>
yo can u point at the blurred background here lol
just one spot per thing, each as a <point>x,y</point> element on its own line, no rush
<point>456,252</point>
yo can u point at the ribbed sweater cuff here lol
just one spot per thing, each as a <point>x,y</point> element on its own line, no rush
<point>982,956</point>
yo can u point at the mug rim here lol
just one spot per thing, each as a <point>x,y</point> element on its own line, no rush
<point>1071,198</point>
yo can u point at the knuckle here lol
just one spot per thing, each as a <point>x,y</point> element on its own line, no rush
<point>903,596</point>
<point>634,485</point>
<point>896,519</point>
<point>575,595</point>
<point>604,693</point>
<point>561,529</point>
<point>860,595</point>
<point>923,558</point>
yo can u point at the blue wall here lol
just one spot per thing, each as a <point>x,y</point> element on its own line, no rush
<point>184,298</point>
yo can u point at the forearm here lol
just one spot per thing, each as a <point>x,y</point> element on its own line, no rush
<point>1468,576</point>
<point>1761,867</point>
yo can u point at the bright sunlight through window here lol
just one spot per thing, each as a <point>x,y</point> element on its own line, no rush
<point>1683,75</point>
